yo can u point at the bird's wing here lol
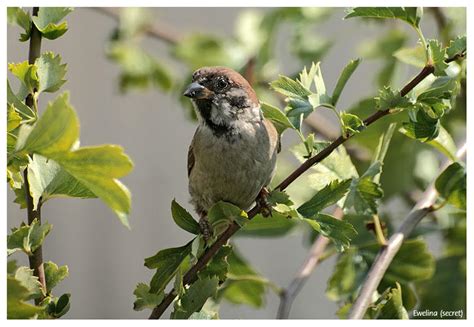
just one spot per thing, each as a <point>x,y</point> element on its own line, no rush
<point>272,132</point>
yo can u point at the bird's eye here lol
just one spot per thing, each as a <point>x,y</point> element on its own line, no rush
<point>221,84</point>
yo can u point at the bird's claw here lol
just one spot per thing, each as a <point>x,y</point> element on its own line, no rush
<point>265,206</point>
<point>206,229</point>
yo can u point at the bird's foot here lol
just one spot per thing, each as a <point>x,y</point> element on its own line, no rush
<point>262,200</point>
<point>206,228</point>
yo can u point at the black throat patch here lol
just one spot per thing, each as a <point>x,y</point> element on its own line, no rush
<point>205,106</point>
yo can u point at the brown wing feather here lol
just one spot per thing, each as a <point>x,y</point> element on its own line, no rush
<point>272,132</point>
<point>190,159</point>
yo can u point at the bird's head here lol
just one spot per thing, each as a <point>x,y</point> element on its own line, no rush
<point>223,97</point>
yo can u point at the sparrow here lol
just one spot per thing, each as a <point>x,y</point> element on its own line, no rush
<point>232,156</point>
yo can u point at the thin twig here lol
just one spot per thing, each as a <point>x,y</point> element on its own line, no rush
<point>156,31</point>
<point>190,276</point>
<point>36,259</point>
<point>288,295</point>
<point>423,207</point>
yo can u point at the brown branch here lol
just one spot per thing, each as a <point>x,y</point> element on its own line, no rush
<point>288,295</point>
<point>36,259</point>
<point>423,207</point>
<point>156,31</point>
<point>191,275</point>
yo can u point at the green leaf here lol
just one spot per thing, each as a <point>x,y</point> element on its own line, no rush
<point>50,72</point>
<point>146,299</point>
<point>21,18</point>
<point>27,238</point>
<point>451,185</point>
<point>242,288</point>
<point>351,123</point>
<point>47,21</point>
<point>338,231</point>
<point>27,76</point>
<point>410,15</point>
<point>438,54</point>
<point>54,274</point>
<point>166,262</point>
<point>11,266</point>
<point>60,306</point>
<point>421,127</point>
<point>221,214</point>
<point>390,305</point>
<point>444,143</point>
<point>277,117</point>
<point>389,99</point>
<point>327,196</point>
<point>343,78</point>
<point>412,56</point>
<point>363,195</point>
<point>456,46</point>
<point>17,294</point>
<point>28,280</point>
<point>48,180</point>
<point>183,219</point>
<point>56,130</point>
<point>290,88</point>
<point>139,69</point>
<point>413,262</point>
<point>13,118</point>
<point>195,297</point>
<point>218,267</point>
<point>274,226</point>
<point>12,100</point>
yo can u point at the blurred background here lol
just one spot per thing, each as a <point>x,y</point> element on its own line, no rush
<point>117,103</point>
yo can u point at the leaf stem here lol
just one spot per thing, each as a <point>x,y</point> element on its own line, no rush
<point>429,59</point>
<point>379,231</point>
<point>36,259</point>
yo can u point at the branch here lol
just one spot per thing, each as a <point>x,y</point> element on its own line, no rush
<point>288,295</point>
<point>156,31</point>
<point>191,275</point>
<point>423,207</point>
<point>36,259</point>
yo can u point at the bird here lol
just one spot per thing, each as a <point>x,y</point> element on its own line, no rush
<point>232,156</point>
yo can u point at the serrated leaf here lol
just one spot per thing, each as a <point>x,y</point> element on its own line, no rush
<point>218,267</point>
<point>438,55</point>
<point>18,16</point>
<point>412,56</point>
<point>338,231</point>
<point>47,21</point>
<point>290,88</point>
<point>195,297</point>
<point>27,238</point>
<point>242,289</point>
<point>145,299</point>
<point>166,262</point>
<point>422,127</point>
<point>413,262</point>
<point>221,214</point>
<point>390,99</point>
<point>55,131</point>
<point>54,274</point>
<point>327,196</point>
<point>451,185</point>
<point>50,72</point>
<point>343,78</point>
<point>277,117</point>
<point>389,305</point>
<point>183,218</point>
<point>411,15</point>
<point>441,88</point>
<point>17,294</point>
<point>274,226</point>
<point>26,74</point>
<point>28,280</point>
<point>11,266</point>
<point>363,195</point>
<point>456,46</point>
<point>351,123</point>
<point>13,118</point>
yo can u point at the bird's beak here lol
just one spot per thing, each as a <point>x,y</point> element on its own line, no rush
<point>197,91</point>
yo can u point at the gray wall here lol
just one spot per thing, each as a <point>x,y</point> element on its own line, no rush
<point>104,258</point>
